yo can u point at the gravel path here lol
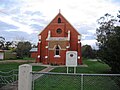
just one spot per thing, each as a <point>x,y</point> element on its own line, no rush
<point>18,61</point>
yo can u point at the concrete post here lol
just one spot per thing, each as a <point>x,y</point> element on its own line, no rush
<point>25,78</point>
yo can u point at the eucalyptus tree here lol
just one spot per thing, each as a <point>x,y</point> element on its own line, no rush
<point>2,42</point>
<point>108,37</point>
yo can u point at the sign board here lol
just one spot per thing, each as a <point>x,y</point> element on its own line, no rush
<point>71,58</point>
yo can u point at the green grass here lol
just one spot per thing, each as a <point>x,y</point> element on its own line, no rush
<point>70,82</point>
<point>38,68</point>
<point>93,67</point>
<point>28,58</point>
<point>100,83</point>
<point>57,82</point>
<point>25,58</point>
<point>11,66</point>
<point>73,82</point>
<point>8,67</point>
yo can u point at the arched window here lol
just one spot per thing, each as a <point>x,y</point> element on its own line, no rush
<point>59,20</point>
<point>57,51</point>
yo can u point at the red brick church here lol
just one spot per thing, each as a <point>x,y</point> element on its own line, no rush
<point>58,37</point>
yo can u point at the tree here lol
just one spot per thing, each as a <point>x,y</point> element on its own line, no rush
<point>23,49</point>
<point>88,52</point>
<point>108,37</point>
<point>2,41</point>
<point>7,45</point>
<point>118,15</point>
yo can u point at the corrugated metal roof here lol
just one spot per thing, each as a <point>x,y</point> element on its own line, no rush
<point>1,50</point>
<point>33,50</point>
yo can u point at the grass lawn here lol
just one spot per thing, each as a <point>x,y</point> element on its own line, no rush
<point>101,83</point>
<point>57,82</point>
<point>93,67</point>
<point>8,66</point>
<point>11,66</point>
<point>73,82</point>
<point>8,70</point>
<point>26,58</point>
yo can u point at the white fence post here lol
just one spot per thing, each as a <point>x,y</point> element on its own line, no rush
<point>82,81</point>
<point>25,78</point>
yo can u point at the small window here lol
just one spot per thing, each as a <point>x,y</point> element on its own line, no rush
<point>59,20</point>
<point>59,31</point>
<point>57,51</point>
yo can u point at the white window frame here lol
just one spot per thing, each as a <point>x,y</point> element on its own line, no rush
<point>56,50</point>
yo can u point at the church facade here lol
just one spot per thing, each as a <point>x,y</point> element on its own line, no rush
<point>58,37</point>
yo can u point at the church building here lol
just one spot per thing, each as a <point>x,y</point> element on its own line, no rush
<point>58,37</point>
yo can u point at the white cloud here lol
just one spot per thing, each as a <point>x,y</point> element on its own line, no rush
<point>80,9</point>
<point>78,12</point>
<point>90,42</point>
<point>11,30</point>
<point>82,14</point>
<point>21,27</point>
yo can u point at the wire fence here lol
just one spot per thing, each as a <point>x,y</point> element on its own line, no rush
<point>8,77</point>
<point>63,81</point>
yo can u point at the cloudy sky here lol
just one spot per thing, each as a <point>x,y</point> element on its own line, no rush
<point>26,18</point>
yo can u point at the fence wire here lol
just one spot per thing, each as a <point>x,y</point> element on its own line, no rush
<point>101,82</point>
<point>7,77</point>
<point>63,81</point>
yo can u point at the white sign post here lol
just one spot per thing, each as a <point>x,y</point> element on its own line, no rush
<point>71,60</point>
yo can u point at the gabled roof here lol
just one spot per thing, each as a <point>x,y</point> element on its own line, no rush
<point>60,15</point>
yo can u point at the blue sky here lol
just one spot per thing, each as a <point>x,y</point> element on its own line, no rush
<point>26,18</point>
